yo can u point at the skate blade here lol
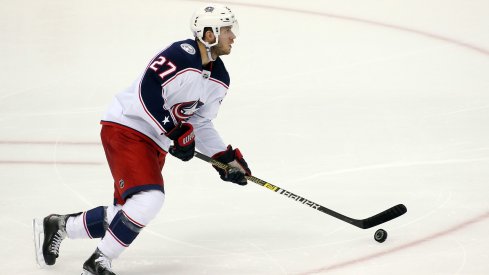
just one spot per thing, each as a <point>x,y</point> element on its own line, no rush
<point>86,272</point>
<point>38,228</point>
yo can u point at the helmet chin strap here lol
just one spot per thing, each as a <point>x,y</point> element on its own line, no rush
<point>208,47</point>
<point>208,50</point>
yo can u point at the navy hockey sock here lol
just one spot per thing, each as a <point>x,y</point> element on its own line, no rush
<point>124,229</point>
<point>95,222</point>
<point>127,223</point>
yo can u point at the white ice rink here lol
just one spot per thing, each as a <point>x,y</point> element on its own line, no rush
<point>356,105</point>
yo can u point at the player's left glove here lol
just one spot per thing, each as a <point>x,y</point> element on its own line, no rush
<point>183,141</point>
<point>239,167</point>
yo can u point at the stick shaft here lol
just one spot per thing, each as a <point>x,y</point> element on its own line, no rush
<point>375,220</point>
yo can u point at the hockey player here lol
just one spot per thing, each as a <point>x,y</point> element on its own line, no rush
<point>169,108</point>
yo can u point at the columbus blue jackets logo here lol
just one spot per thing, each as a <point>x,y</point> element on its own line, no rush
<point>188,48</point>
<point>182,111</point>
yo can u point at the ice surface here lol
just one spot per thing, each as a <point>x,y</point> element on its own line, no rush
<point>356,105</point>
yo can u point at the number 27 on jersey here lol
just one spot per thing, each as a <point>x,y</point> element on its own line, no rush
<point>162,62</point>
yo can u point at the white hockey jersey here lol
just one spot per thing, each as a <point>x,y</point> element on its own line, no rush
<point>174,88</point>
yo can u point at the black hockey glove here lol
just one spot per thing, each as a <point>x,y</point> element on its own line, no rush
<point>239,167</point>
<point>183,141</point>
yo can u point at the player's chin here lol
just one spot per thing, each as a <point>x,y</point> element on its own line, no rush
<point>225,52</point>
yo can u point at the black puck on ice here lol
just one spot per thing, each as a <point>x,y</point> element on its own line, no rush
<point>380,235</point>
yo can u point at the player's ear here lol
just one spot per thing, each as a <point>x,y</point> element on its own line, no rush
<point>209,36</point>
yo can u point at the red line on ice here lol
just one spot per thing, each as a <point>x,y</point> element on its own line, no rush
<point>48,142</point>
<point>45,162</point>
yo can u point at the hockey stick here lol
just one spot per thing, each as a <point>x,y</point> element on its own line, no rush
<point>375,220</point>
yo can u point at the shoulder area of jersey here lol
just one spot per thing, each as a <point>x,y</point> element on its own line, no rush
<point>184,53</point>
<point>189,46</point>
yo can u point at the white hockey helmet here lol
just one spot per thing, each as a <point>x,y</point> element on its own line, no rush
<point>213,16</point>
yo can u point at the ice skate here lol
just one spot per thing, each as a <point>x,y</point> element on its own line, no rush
<point>97,264</point>
<point>48,234</point>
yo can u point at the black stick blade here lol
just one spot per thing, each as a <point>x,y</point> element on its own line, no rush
<point>384,216</point>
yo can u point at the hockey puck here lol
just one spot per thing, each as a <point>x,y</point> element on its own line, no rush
<point>380,235</point>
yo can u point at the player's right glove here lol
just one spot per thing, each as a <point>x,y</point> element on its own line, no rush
<point>183,141</point>
<point>239,167</point>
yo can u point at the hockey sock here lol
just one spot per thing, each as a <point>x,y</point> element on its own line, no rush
<point>135,214</point>
<point>79,226</point>
<point>90,224</point>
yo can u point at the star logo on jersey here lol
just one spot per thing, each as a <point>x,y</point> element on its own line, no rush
<point>166,120</point>
<point>182,111</point>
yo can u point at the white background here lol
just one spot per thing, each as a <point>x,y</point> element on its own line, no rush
<point>356,105</point>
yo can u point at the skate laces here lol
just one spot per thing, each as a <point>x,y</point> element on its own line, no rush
<point>104,262</point>
<point>57,239</point>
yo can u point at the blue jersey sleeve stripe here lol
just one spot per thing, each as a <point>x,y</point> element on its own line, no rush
<point>150,96</point>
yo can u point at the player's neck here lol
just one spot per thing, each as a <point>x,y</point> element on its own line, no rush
<point>203,54</point>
